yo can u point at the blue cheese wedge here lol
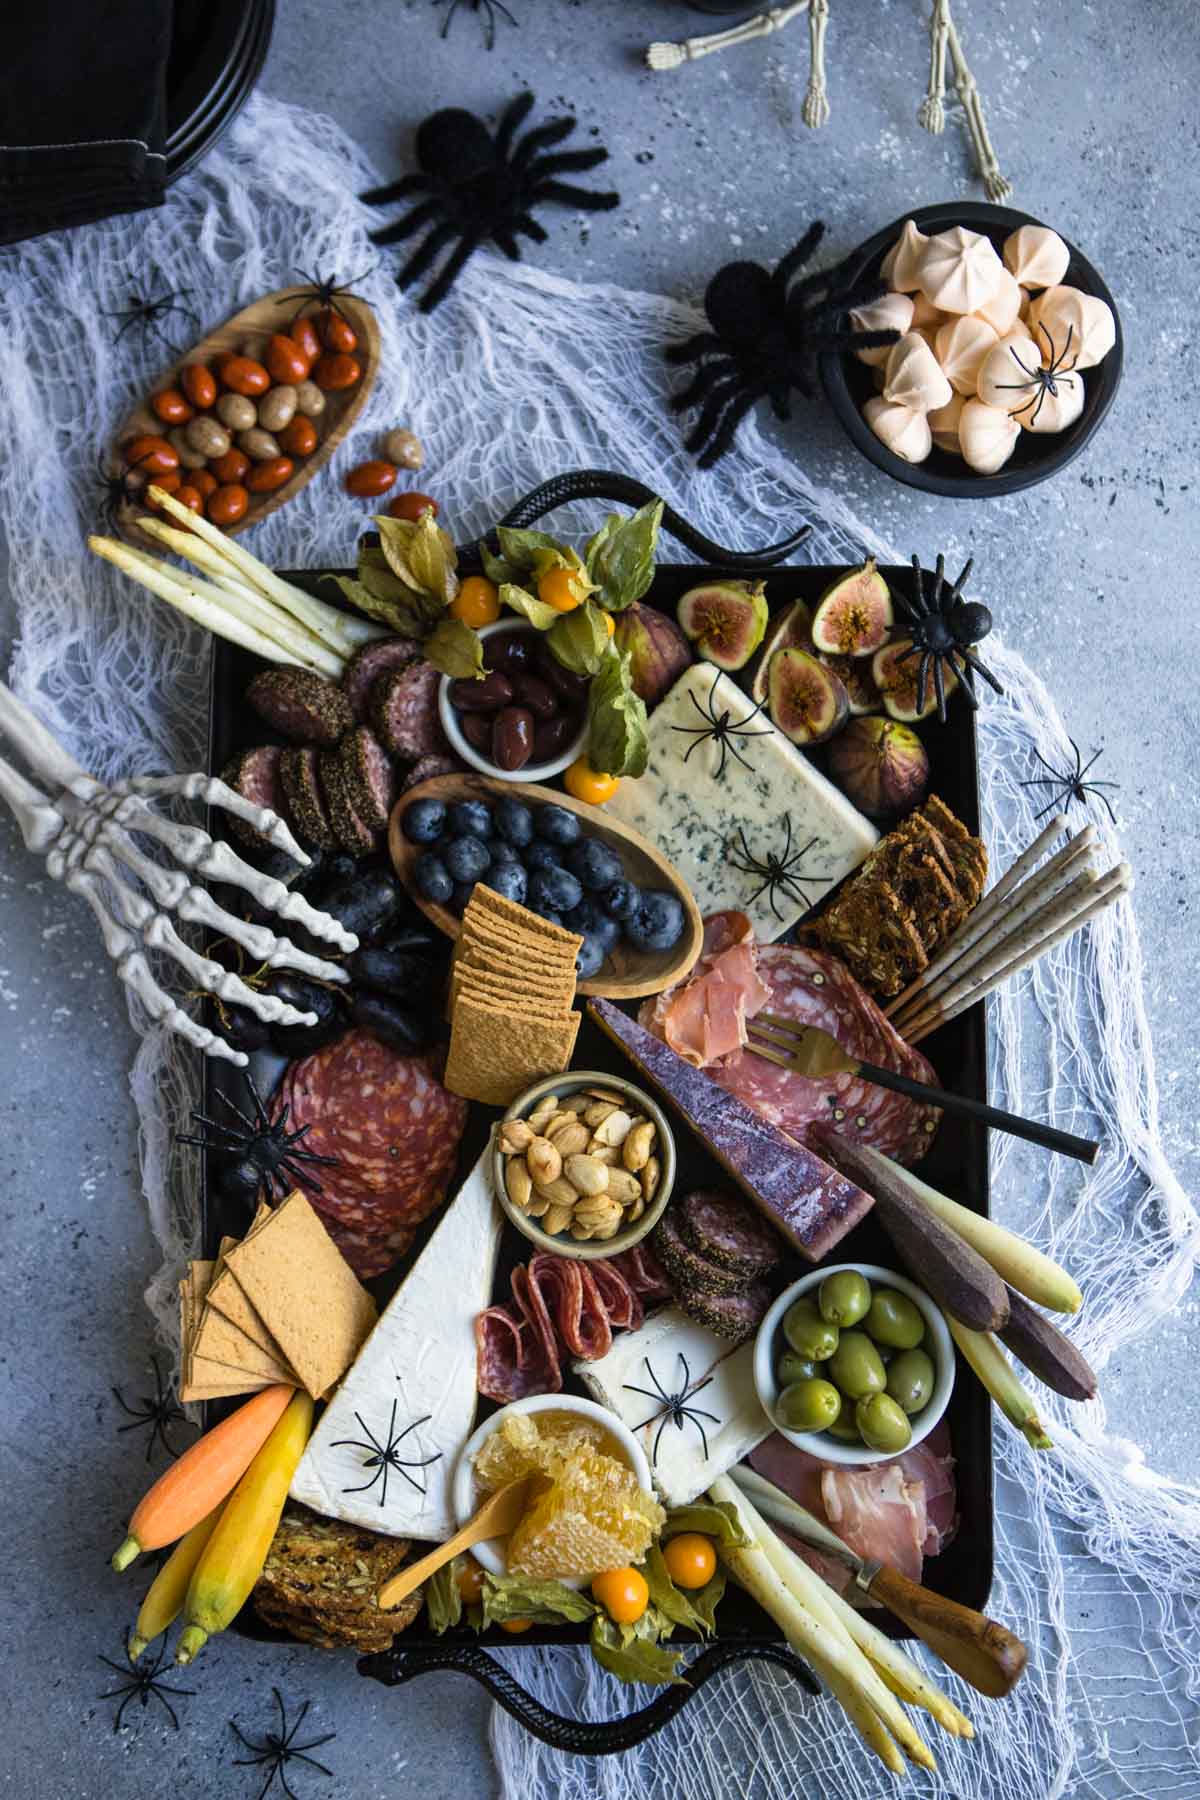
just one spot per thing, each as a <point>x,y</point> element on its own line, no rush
<point>721,1419</point>
<point>710,804</point>
<point>419,1360</point>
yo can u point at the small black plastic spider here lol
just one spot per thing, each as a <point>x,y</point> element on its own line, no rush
<point>943,628</point>
<point>142,1683</point>
<point>777,872</point>
<point>487,10</point>
<point>717,726</point>
<point>157,1410</point>
<point>1070,785</point>
<point>278,1748</point>
<point>324,291</point>
<point>481,187</point>
<point>674,1407</point>
<point>268,1155</point>
<point>384,1457</point>
<point>148,314</point>
<point>1043,381</point>
<point>120,490</point>
<point>766,330</point>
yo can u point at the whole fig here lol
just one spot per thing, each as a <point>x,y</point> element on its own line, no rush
<point>881,766</point>
<point>658,651</point>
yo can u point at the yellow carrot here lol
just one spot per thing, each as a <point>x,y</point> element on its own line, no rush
<point>233,1558</point>
<point>168,1590</point>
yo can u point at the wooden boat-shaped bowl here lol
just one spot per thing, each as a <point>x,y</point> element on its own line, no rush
<point>254,325</point>
<point>628,974</point>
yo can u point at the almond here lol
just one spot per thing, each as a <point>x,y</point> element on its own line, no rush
<point>569,1140</point>
<point>623,1186</point>
<point>516,1135</point>
<point>639,1142</point>
<point>544,1160</point>
<point>558,1192</point>
<point>586,1175</point>
<point>518,1182</point>
<point>650,1177</point>
<point>557,1219</point>
<point>614,1129</point>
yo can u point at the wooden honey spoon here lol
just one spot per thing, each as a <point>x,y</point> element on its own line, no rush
<point>500,1514</point>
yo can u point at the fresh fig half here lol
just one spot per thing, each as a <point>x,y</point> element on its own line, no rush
<point>854,616</point>
<point>725,620</point>
<point>896,680</point>
<point>881,766</point>
<point>804,698</point>
<point>854,673</point>
<point>789,630</point>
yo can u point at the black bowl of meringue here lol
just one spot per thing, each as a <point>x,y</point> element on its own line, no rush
<point>1009,355</point>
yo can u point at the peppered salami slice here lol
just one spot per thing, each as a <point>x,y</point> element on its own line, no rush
<point>351,832</point>
<point>427,768</point>
<point>725,1231</point>
<point>303,797</point>
<point>404,712</point>
<point>382,657</point>
<point>254,774</point>
<point>690,1271</point>
<point>303,706</point>
<point>734,1316</point>
<point>370,778</point>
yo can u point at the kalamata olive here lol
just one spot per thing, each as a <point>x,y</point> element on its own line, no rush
<point>172,407</point>
<point>568,685</point>
<point>333,371</point>
<point>477,729</point>
<point>844,1298</point>
<point>265,477</point>
<point>299,438</point>
<point>335,331</point>
<point>303,334</point>
<point>230,467</point>
<point>512,737</point>
<point>551,737</point>
<point>277,408</point>
<point>152,455</point>
<point>190,497</point>
<point>404,1028</point>
<point>404,448</point>
<point>204,435</point>
<point>412,506</point>
<point>189,456</point>
<point>537,695</point>
<point>204,482</point>
<point>369,479</point>
<point>199,385</point>
<point>258,444</point>
<point>285,360</point>
<point>306,996</point>
<point>511,651</point>
<point>228,504</point>
<point>242,375</point>
<point>237,412</point>
<point>309,399</point>
<point>482,696</point>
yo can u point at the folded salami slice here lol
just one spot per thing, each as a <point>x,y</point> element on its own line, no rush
<point>559,1307</point>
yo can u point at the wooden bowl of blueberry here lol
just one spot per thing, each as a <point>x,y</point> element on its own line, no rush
<point>563,860</point>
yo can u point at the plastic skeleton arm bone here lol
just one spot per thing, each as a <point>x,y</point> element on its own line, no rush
<point>672,56</point>
<point>931,115</point>
<point>816,103</point>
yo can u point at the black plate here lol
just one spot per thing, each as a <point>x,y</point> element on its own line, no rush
<point>958,1163</point>
<point>217,51</point>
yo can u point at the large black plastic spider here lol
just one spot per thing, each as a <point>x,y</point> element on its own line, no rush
<point>117,491</point>
<point>481,187</point>
<point>156,1410</point>
<point>384,1457</point>
<point>943,628</point>
<point>1041,380</point>
<point>674,1408</point>
<point>766,330</point>
<point>142,1683</point>
<point>324,291</point>
<point>279,1747</point>
<point>148,314</point>
<point>487,10</point>
<point>719,727</point>
<point>777,872</point>
<point>1070,785</point>
<point>267,1155</point>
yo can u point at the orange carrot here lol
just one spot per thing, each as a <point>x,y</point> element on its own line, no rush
<point>203,1476</point>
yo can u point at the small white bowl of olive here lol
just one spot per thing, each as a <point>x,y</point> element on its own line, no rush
<point>854,1364</point>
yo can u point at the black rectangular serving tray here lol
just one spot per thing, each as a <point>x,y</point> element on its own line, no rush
<point>957,1164</point>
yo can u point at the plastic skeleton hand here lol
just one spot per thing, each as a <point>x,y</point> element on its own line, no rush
<point>83,829</point>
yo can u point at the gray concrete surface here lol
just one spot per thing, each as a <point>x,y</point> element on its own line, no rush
<point>1092,109</point>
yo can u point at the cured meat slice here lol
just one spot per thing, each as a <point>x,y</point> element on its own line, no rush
<point>370,778</point>
<point>690,1270</point>
<point>305,802</point>
<point>426,768</point>
<point>705,1016</point>
<point>726,1231</point>
<point>303,706</point>
<point>404,712</point>
<point>880,1512</point>
<point>559,1306</point>
<point>352,832</point>
<point>641,1269</point>
<point>511,1360</point>
<point>382,657</point>
<point>735,1316</point>
<point>617,1296</point>
<point>573,1300</point>
<point>254,774</point>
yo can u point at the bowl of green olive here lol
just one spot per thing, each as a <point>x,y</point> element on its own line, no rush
<point>854,1364</point>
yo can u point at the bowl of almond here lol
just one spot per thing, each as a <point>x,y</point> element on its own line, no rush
<point>584,1164</point>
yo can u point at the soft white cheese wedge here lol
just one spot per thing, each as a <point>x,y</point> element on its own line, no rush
<point>421,1355</point>
<point>672,1351</point>
<point>705,810</point>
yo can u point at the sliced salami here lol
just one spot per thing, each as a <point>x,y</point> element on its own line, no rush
<point>301,705</point>
<point>427,768</point>
<point>641,1269</point>
<point>254,774</point>
<point>690,1271</point>
<point>305,802</point>
<point>382,657</point>
<point>734,1316</point>
<point>370,778</point>
<point>404,712</point>
<point>351,832</point>
<point>560,1307</point>
<point>728,1232</point>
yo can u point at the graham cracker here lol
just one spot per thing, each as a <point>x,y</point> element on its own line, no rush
<point>488,900</point>
<point>226,1297</point>
<point>495,1055</point>
<point>508,940</point>
<point>488,954</point>
<point>220,1340</point>
<point>512,996</point>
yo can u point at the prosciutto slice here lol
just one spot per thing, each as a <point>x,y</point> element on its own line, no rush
<point>559,1308</point>
<point>704,1018</point>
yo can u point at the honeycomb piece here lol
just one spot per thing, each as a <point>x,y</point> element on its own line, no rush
<point>533,1443</point>
<point>593,1516</point>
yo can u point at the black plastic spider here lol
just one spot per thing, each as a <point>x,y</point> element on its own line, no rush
<point>481,187</point>
<point>384,1457</point>
<point>120,490</point>
<point>674,1407</point>
<point>268,1155</point>
<point>1069,785</point>
<point>149,313</point>
<point>717,726</point>
<point>142,1683</point>
<point>1042,380</point>
<point>777,872</point>
<point>487,9</point>
<point>324,290</point>
<point>157,1410</point>
<point>278,1748</point>
<point>943,627</point>
<point>766,329</point>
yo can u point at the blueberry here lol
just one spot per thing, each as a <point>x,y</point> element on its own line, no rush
<point>425,821</point>
<point>514,822</point>
<point>470,818</point>
<point>589,921</point>
<point>590,959</point>
<point>557,825</point>
<point>503,852</point>
<point>551,917</point>
<point>553,888</point>
<point>657,924</point>
<point>540,855</point>
<point>621,900</point>
<point>593,864</point>
<point>434,881</point>
<point>509,880</point>
<point>466,858</point>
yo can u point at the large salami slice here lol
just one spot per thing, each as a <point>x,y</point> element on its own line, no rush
<point>302,705</point>
<point>254,774</point>
<point>404,712</point>
<point>559,1307</point>
<point>382,657</point>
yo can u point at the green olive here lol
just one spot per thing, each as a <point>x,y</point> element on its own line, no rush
<point>791,1367</point>
<point>910,1379</point>
<point>808,1405</point>
<point>882,1424</point>
<point>844,1428</point>
<point>855,1366</point>
<point>808,1333</point>
<point>844,1298</point>
<point>894,1319</point>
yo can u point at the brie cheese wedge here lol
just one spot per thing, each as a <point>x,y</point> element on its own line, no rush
<point>419,1360</point>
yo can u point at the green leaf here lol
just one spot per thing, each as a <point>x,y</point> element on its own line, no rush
<point>420,554</point>
<point>671,1602</point>
<point>620,558</point>
<point>579,640</point>
<point>712,1518</point>
<point>443,1602</point>
<point>455,649</point>
<point>705,1601</point>
<point>408,615</point>
<point>495,567</point>
<point>632,1657</point>
<point>525,603</point>
<point>617,741</point>
<point>523,549</point>
<point>522,1597</point>
<point>377,577</point>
